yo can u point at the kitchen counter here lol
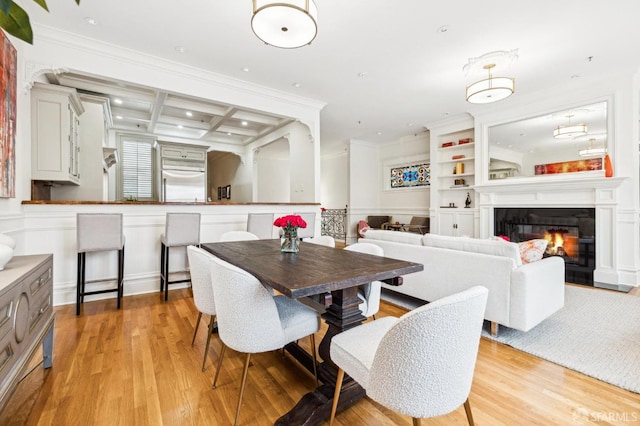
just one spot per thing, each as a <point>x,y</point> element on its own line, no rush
<point>50,227</point>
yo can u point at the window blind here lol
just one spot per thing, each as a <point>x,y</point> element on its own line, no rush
<point>137,169</point>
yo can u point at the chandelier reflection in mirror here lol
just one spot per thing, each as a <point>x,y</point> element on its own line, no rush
<point>592,151</point>
<point>285,24</point>
<point>570,130</point>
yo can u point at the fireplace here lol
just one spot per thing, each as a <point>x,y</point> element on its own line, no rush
<point>570,233</point>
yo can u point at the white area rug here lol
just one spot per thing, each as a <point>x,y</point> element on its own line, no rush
<point>596,333</point>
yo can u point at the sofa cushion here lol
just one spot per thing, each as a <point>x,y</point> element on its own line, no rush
<point>394,236</point>
<point>495,248</point>
<point>532,250</point>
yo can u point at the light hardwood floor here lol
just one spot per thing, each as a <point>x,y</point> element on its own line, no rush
<point>136,366</point>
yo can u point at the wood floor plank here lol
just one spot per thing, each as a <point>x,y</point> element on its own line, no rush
<point>136,366</point>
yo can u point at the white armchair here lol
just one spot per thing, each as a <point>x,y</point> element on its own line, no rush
<point>420,364</point>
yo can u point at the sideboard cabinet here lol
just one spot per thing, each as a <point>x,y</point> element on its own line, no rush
<point>26,317</point>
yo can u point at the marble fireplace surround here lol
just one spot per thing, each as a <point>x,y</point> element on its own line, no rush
<point>595,192</point>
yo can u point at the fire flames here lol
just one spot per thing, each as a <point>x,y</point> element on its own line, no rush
<point>561,244</point>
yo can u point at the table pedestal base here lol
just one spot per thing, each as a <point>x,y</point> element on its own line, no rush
<point>315,407</point>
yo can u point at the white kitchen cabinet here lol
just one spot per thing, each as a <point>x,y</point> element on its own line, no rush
<point>55,145</point>
<point>456,222</point>
<point>184,153</point>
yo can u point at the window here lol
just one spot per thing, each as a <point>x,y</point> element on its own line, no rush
<point>136,168</point>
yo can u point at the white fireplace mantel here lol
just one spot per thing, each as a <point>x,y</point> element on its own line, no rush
<point>594,191</point>
<point>552,184</point>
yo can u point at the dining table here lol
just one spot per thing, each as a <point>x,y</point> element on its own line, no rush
<point>330,274</point>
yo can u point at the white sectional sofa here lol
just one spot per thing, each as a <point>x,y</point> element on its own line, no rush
<point>520,295</point>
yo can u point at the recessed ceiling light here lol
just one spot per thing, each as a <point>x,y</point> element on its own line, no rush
<point>180,126</point>
<point>189,114</point>
<point>228,133</point>
<point>117,101</point>
<point>409,124</point>
<point>363,74</point>
<point>244,123</point>
<point>246,69</point>
<point>91,21</point>
<point>296,84</point>
<point>443,29</point>
<point>180,49</point>
<point>379,133</point>
<point>118,117</point>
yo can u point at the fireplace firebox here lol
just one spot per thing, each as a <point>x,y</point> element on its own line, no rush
<point>570,233</point>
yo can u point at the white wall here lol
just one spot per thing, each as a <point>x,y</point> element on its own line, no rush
<point>369,191</point>
<point>304,161</point>
<point>403,203</point>
<point>334,181</point>
<point>273,172</point>
<point>226,170</point>
<point>91,138</point>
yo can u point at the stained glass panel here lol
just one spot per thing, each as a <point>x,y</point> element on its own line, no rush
<point>409,176</point>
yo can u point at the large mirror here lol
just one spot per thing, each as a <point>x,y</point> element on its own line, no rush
<point>568,141</point>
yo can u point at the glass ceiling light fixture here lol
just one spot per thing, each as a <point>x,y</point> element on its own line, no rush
<point>570,130</point>
<point>491,89</point>
<point>285,24</point>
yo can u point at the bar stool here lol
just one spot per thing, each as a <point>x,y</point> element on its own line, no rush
<point>181,230</point>
<point>98,232</point>
<point>260,224</point>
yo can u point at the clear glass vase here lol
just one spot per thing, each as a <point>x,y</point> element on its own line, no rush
<point>289,242</point>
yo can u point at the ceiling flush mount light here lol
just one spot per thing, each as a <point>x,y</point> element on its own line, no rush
<point>491,89</point>
<point>285,24</point>
<point>570,130</point>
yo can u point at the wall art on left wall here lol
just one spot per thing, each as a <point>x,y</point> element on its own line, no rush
<point>8,61</point>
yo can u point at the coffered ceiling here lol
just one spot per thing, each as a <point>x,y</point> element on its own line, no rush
<point>187,119</point>
<point>384,69</point>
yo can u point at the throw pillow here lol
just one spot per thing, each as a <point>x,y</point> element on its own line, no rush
<point>532,250</point>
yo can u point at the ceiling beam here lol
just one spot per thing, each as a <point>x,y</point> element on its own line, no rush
<point>156,110</point>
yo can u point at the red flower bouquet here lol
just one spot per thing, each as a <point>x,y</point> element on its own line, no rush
<point>290,224</point>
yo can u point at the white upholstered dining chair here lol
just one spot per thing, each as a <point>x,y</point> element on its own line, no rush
<point>238,236</point>
<point>310,230</point>
<point>421,364</point>
<point>200,266</point>
<point>251,320</point>
<point>323,240</point>
<point>261,224</point>
<point>369,294</point>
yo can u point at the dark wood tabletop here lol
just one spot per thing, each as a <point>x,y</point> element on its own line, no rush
<point>315,269</point>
